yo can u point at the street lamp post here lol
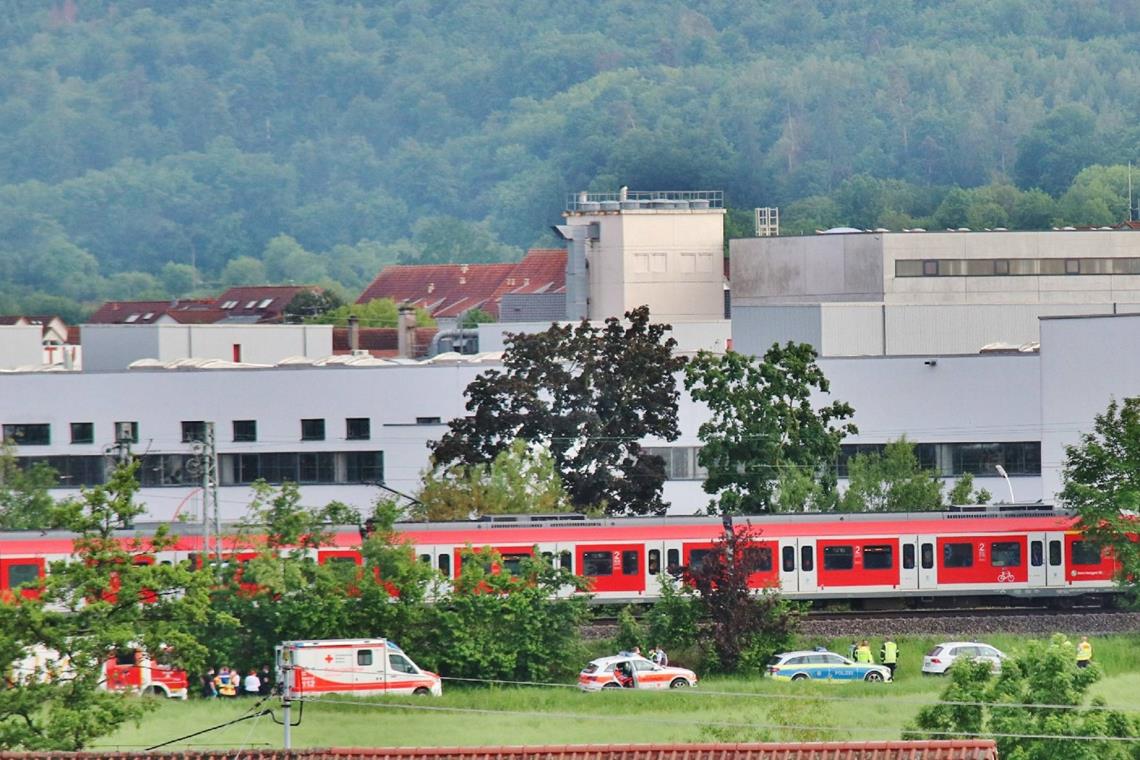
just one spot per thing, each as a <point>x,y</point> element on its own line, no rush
<point>1001,471</point>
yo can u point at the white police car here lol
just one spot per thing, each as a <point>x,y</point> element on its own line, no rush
<point>823,666</point>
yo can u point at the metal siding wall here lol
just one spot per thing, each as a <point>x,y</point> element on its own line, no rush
<point>756,328</point>
<point>852,329</point>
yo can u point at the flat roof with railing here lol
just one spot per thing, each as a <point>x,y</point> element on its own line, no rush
<point>628,200</point>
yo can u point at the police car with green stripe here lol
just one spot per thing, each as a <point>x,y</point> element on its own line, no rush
<point>823,666</point>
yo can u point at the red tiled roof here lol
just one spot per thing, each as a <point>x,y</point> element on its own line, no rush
<point>205,316</point>
<point>957,749</point>
<point>11,320</point>
<point>144,312</point>
<point>449,290</point>
<point>266,303</point>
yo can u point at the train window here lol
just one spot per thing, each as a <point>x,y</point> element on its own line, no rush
<point>789,559</point>
<point>566,561</point>
<point>363,656</point>
<point>672,559</point>
<point>1086,553</point>
<point>597,563</point>
<point>1054,553</point>
<point>425,558</point>
<point>24,572</point>
<point>445,564</point>
<point>807,559</point>
<point>629,562</point>
<point>878,557</point>
<point>758,559</point>
<point>549,557</point>
<point>958,555</point>
<point>908,556</point>
<point>654,561</point>
<point>697,557</point>
<point>1005,554</point>
<point>838,557</point>
<point>927,556</point>
<point>512,563</point>
<point>1036,553</point>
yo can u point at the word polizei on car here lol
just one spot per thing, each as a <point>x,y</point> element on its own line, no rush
<point>607,673</point>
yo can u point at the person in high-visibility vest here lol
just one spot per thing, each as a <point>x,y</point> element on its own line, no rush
<point>863,653</point>
<point>889,654</point>
<point>1084,652</point>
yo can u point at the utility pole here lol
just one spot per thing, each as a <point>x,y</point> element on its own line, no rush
<point>207,455</point>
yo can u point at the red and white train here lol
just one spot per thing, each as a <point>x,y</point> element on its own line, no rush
<point>1035,552</point>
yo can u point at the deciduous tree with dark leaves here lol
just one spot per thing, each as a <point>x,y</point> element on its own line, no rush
<point>590,394</point>
<point>746,626</point>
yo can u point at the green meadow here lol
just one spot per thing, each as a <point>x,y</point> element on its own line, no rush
<point>720,709</point>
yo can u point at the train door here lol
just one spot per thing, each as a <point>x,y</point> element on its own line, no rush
<point>789,561</point>
<point>1038,570</point>
<point>908,563</point>
<point>1055,559</point>
<point>806,558</point>
<point>927,563</point>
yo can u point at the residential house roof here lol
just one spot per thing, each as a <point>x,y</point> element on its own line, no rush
<point>143,312</point>
<point>449,290</point>
<point>260,303</point>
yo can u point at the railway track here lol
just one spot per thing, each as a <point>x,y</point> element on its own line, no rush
<point>947,622</point>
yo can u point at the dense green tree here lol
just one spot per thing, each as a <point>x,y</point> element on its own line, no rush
<point>521,479</point>
<point>474,317</point>
<point>379,312</point>
<point>590,394</point>
<point>1101,477</point>
<point>763,422</point>
<point>1057,148</point>
<point>891,482</point>
<point>25,499</point>
<point>106,597</point>
<point>311,304</point>
<point>1037,709</point>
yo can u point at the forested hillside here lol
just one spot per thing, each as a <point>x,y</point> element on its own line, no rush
<point>152,149</point>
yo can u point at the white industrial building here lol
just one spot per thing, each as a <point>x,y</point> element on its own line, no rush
<point>853,293</point>
<point>340,429</point>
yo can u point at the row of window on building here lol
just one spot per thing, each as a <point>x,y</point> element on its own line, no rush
<point>156,470</point>
<point>243,431</point>
<point>1014,267</point>
<point>945,459</point>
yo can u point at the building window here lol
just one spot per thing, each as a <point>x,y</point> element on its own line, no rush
<point>1001,266</point>
<point>126,432</point>
<point>169,470</point>
<point>364,466</point>
<point>245,431</point>
<point>193,431</point>
<point>313,430</point>
<point>358,428</point>
<point>73,471</point>
<point>325,467</point>
<point>1072,266</point>
<point>428,421</point>
<point>954,459</point>
<point>82,432</point>
<point>930,268</point>
<point>28,434</point>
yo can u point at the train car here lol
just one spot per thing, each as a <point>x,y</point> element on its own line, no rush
<point>1020,551</point>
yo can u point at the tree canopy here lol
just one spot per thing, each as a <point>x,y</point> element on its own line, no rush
<point>1101,477</point>
<point>587,394</point>
<point>317,141</point>
<point>765,420</point>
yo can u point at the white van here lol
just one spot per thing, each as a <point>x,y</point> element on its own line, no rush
<point>350,666</point>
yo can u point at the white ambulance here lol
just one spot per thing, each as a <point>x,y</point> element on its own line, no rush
<point>350,666</point>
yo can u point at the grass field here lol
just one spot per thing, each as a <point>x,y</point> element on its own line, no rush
<point>721,709</point>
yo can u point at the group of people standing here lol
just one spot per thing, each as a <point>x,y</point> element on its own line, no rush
<point>226,683</point>
<point>888,653</point>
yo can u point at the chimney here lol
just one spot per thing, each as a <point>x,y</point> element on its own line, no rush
<point>406,331</point>
<point>353,333</point>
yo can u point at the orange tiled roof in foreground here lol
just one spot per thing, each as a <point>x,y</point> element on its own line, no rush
<point>965,749</point>
<point>449,290</point>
